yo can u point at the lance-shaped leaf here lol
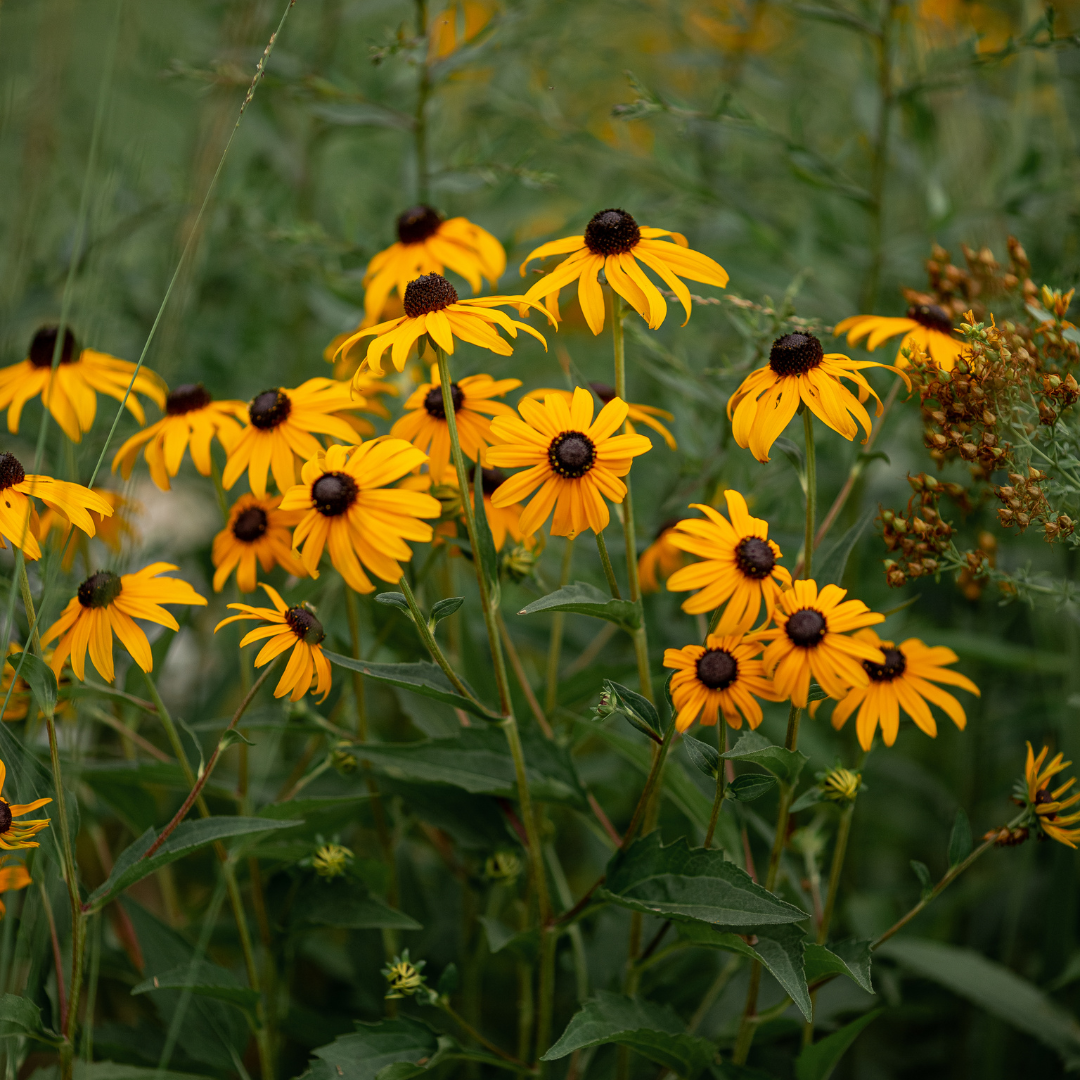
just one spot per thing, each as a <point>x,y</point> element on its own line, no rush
<point>41,679</point>
<point>20,1016</point>
<point>652,1030</point>
<point>850,958</point>
<point>312,807</point>
<point>584,599</point>
<point>443,609</point>
<point>372,1048</point>
<point>189,836</point>
<point>705,758</point>
<point>203,978</point>
<point>349,906</point>
<point>751,786</point>
<point>783,764</point>
<point>420,677</point>
<point>691,884</point>
<point>817,1062</point>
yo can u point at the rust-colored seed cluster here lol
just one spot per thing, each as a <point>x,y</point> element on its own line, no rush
<point>1006,837</point>
<point>1025,502</point>
<point>919,536</point>
<point>957,289</point>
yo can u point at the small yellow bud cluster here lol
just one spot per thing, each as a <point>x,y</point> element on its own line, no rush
<point>331,860</point>
<point>841,785</point>
<point>403,976</point>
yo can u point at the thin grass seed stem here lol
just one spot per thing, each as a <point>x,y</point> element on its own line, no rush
<point>609,573</point>
<point>558,623</point>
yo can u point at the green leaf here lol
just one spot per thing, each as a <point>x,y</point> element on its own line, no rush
<point>829,568</point>
<point>110,1070</point>
<point>960,839</point>
<point>652,1030</point>
<point>372,1048</point>
<point>523,943</point>
<point>705,757</point>
<point>993,987</point>
<point>443,609</point>
<point>349,906</point>
<point>20,1016</point>
<point>784,764</point>
<point>639,710</point>
<point>448,980</point>
<point>302,809</point>
<point>751,786</point>
<point>489,560</point>
<point>420,677</point>
<point>189,836</point>
<point>817,1062</point>
<point>585,599</point>
<point>810,797</point>
<point>231,737</point>
<point>394,599</point>
<point>922,872</point>
<point>204,978</point>
<point>41,679</point>
<point>685,884</point>
<point>850,958</point>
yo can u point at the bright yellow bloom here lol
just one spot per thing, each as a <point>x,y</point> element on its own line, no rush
<point>926,327</point>
<point>191,416</point>
<point>106,603</point>
<point>257,530</point>
<point>427,244</point>
<point>615,243</point>
<point>18,517</point>
<point>432,307</point>
<point>1046,805</point>
<point>425,426</point>
<point>112,531</point>
<point>660,559</point>
<point>722,676</point>
<point>800,371</point>
<point>576,459</point>
<point>70,393</point>
<point>812,637</point>
<point>283,425</point>
<point>643,414</point>
<point>287,627</point>
<point>904,681</point>
<point>350,509</point>
<point>11,879</point>
<point>16,835</point>
<point>739,567</point>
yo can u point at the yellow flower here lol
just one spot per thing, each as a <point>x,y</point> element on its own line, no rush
<point>904,681</point>
<point>425,426</point>
<point>427,244</point>
<point>256,530</point>
<point>19,703</point>
<point>331,860</point>
<point>12,878</point>
<point>812,637</point>
<point>350,509</point>
<point>16,835</point>
<point>106,602</point>
<point>615,243</point>
<point>576,459</point>
<point>926,327</point>
<point>799,370</point>
<point>1046,805</point>
<point>111,531</point>
<point>191,416</point>
<point>69,392</point>
<point>643,414</point>
<point>432,307</point>
<point>287,627</point>
<point>283,424</point>
<point>740,567</point>
<point>404,977</point>
<point>18,516</point>
<point>725,675</point>
<point>841,785</point>
<point>660,559</point>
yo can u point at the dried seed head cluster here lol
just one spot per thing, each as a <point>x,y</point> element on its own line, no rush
<point>957,289</point>
<point>1025,502</point>
<point>919,537</point>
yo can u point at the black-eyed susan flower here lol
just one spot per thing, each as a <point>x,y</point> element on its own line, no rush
<point>258,530</point>
<point>503,521</point>
<point>106,603</point>
<point>16,835</point>
<point>113,531</point>
<point>432,307</point>
<point>725,675</point>
<point>904,681</point>
<point>660,559</point>
<point>615,243</point>
<point>427,244</point>
<point>424,423</point>
<point>739,565</point>
<point>192,417</point>
<point>813,637</point>
<point>1045,805</point>
<point>286,627</point>
<point>70,393</point>
<point>575,461</point>
<point>799,370</point>
<point>350,510</point>
<point>18,515</point>
<point>283,425</point>
<point>642,414</point>
<point>12,878</point>
<point>925,326</point>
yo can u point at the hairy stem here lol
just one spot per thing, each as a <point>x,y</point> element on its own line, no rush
<point>718,799</point>
<point>605,559</point>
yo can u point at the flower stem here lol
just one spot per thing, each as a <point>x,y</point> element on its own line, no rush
<point>357,677</point>
<point>477,1037</point>
<point>718,799</point>
<point>423,92</point>
<point>558,621</point>
<point>811,491</point>
<point>609,573</point>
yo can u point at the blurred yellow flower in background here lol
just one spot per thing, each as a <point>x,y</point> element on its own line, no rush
<point>113,531</point>
<point>925,326</point>
<point>660,559</point>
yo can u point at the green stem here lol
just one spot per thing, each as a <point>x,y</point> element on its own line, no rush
<point>487,1044</point>
<point>605,559</point>
<point>423,92</point>
<point>718,799</point>
<point>558,622</point>
<point>353,617</point>
<point>650,784</point>
<point>811,490</point>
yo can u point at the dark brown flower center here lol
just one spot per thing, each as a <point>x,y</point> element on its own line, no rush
<point>417,224</point>
<point>670,523</point>
<point>491,479</point>
<point>806,628</point>
<point>5,816</point>
<point>99,590</point>
<point>604,392</point>
<point>11,471</point>
<point>44,345</point>
<point>795,354</point>
<point>1042,797</point>
<point>717,669</point>
<point>431,292</point>
<point>333,493</point>
<point>895,663</point>
<point>611,232</point>
<point>754,558</point>
<point>932,317</point>
<point>187,398</point>
<point>305,626</point>
<point>250,524</point>
<point>269,409</point>
<point>571,454</point>
<point>433,400</point>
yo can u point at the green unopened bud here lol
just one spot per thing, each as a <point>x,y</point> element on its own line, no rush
<point>403,977</point>
<point>343,759</point>
<point>840,785</point>
<point>331,860</point>
<point>504,867</point>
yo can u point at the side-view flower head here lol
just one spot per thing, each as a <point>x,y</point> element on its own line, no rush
<point>1045,804</point>
<point>258,531</point>
<point>70,392</point>
<point>615,243</point>
<point>660,559</point>
<point>927,326</point>
<point>113,531</point>
<point>16,835</point>
<point>641,414</point>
